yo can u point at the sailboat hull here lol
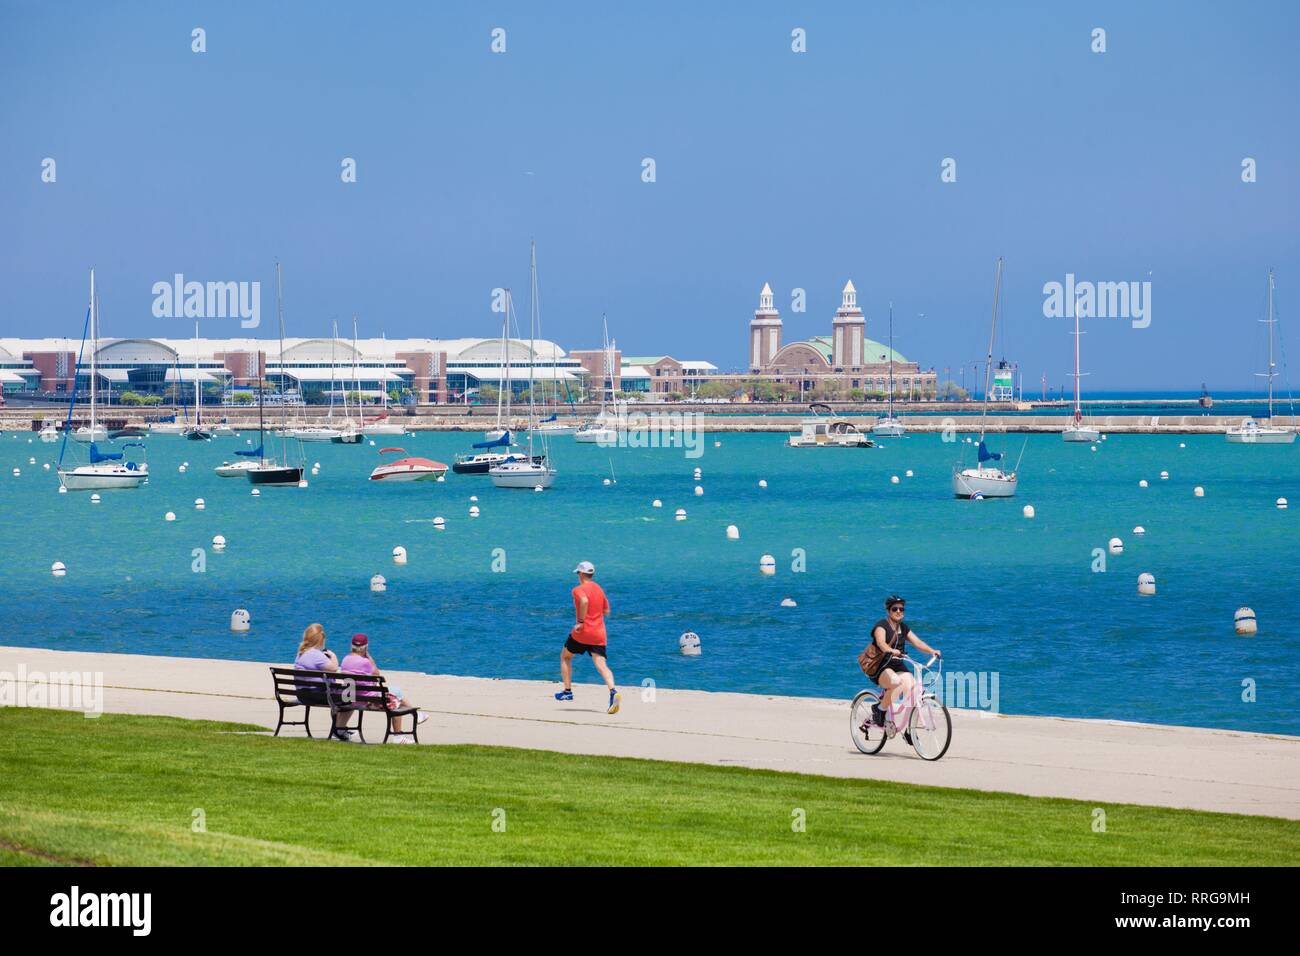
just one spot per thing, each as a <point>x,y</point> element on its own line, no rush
<point>522,474</point>
<point>550,430</point>
<point>166,428</point>
<point>596,436</point>
<point>987,482</point>
<point>483,464</point>
<point>383,428</point>
<point>1081,433</point>
<point>274,475</point>
<point>103,478</point>
<point>234,469</point>
<point>889,428</point>
<point>1260,436</point>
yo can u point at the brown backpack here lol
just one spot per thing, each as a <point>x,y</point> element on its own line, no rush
<point>872,657</point>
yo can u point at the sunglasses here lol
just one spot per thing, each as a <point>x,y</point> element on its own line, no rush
<point>896,607</point>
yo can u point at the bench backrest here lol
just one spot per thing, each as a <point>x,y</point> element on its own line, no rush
<point>338,687</point>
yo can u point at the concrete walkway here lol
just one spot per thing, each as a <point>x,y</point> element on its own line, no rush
<point>1104,762</point>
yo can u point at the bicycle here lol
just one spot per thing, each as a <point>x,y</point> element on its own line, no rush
<point>928,725</point>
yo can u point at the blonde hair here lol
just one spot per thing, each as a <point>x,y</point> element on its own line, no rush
<point>314,636</point>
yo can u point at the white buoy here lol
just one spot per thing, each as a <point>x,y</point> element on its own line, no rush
<point>399,555</point>
<point>537,488</point>
<point>680,514</point>
<point>186,464</point>
<point>94,499</point>
<point>762,482</point>
<point>199,504</point>
<point>1115,546</point>
<point>1103,437</point>
<point>377,583</point>
<point>218,542</point>
<point>62,490</point>
<point>316,464</point>
<point>767,565</point>
<point>699,490</point>
<point>689,644</point>
<point>440,523</point>
<point>256,492</point>
<point>605,482</point>
<point>17,472</point>
<point>1164,476</point>
<point>473,511</point>
<point>1092,447</point>
<point>372,443</point>
<point>58,569</point>
<point>656,503</point>
<point>473,497</point>
<point>181,469</point>
<point>441,478</point>
<point>733,533</point>
<point>908,473</point>
<point>1028,511</point>
<point>697,474</point>
<point>893,479</point>
<point>1146,583</point>
<point>717,444</point>
<point>1243,621</point>
<point>1198,491</point>
<point>169,516</point>
<point>46,466</point>
<point>302,482</point>
<point>1281,503</point>
<point>239,620</point>
<point>1142,483</point>
<point>1139,530</point>
<point>788,602</point>
<point>31,461</point>
<point>315,472</point>
<point>1182,444</point>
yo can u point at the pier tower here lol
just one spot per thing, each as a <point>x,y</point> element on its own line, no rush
<point>764,332</point>
<point>849,331</point>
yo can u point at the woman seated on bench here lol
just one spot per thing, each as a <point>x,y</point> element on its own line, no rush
<point>312,656</point>
<point>360,662</point>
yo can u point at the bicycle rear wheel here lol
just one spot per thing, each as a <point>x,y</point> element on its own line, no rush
<point>930,728</point>
<point>871,740</point>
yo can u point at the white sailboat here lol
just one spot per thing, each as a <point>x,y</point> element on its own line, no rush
<point>49,432</point>
<point>382,424</point>
<point>1251,432</point>
<point>986,480</point>
<point>106,470</point>
<point>273,472</point>
<point>1077,431</point>
<point>600,430</point>
<point>889,426</point>
<point>530,471</point>
<point>349,432</point>
<point>169,425</point>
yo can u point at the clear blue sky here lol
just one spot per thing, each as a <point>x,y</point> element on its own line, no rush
<point>800,170</point>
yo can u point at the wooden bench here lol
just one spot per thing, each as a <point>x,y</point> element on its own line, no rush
<point>340,693</point>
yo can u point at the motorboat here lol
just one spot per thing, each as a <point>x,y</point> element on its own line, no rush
<point>407,469</point>
<point>823,431</point>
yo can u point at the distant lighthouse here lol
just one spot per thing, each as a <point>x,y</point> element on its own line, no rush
<point>764,332</point>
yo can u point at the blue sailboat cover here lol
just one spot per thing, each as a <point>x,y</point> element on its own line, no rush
<point>986,455</point>
<point>502,442</point>
<point>254,453</point>
<point>96,456</point>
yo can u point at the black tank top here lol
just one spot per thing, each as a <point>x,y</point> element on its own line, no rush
<point>892,637</point>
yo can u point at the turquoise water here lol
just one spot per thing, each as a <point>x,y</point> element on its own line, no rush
<point>997,592</point>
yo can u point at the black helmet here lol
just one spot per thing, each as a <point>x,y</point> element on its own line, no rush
<point>894,599</point>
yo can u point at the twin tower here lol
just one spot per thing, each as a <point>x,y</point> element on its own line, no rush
<point>849,330</point>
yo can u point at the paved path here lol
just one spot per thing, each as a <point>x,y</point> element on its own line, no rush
<point>1101,761</point>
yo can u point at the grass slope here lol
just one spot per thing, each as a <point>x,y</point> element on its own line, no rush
<point>124,790</point>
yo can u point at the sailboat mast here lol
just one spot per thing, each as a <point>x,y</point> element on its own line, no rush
<point>891,361</point>
<point>988,363</point>
<point>504,381</point>
<point>1270,346</point>
<point>1078,410</point>
<point>198,413</point>
<point>94,351</point>
<point>532,343</point>
<point>356,375</point>
<point>279,311</point>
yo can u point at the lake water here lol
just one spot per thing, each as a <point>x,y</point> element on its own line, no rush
<point>997,592</point>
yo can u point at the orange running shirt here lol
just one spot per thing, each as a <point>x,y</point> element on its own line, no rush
<point>593,626</point>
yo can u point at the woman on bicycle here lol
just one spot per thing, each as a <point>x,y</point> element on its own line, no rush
<point>891,635</point>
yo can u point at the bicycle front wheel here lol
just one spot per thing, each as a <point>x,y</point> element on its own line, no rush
<point>869,741</point>
<point>930,728</point>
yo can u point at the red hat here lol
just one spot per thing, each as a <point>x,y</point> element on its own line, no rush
<point>360,640</point>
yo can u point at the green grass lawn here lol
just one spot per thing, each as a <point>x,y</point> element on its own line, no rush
<point>125,790</point>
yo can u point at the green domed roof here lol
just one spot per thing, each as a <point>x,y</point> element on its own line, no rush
<point>873,352</point>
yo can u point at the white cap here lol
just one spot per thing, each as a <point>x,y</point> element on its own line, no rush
<point>585,567</point>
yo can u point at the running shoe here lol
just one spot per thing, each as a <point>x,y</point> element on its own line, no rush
<point>564,695</point>
<point>614,700</point>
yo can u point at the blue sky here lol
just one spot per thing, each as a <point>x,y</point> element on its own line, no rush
<point>801,170</point>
